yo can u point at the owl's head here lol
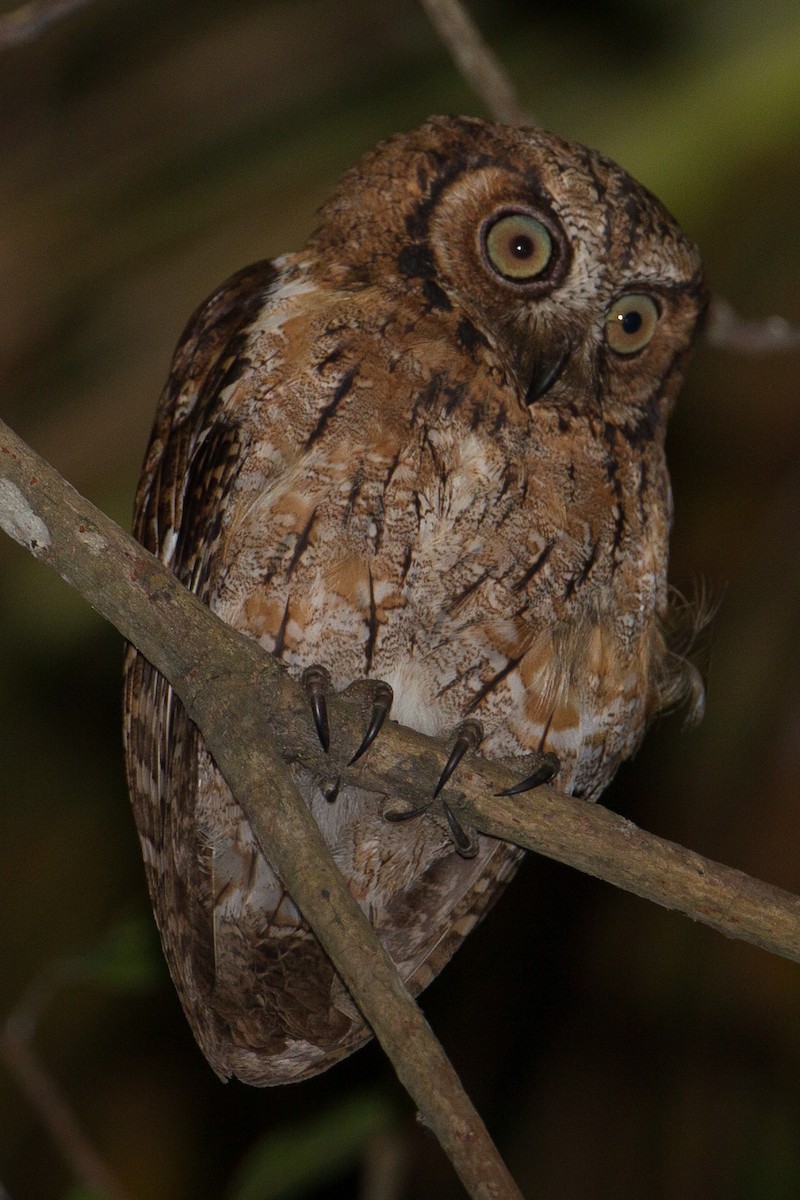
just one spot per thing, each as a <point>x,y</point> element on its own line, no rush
<point>575,275</point>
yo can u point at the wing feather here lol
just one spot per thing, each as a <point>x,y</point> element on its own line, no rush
<point>190,466</point>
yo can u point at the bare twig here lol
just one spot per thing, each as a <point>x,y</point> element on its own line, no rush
<point>25,23</point>
<point>612,848</point>
<point>55,1113</point>
<point>41,1090</point>
<point>253,718</point>
<point>728,331</point>
<point>50,1105</point>
<point>475,60</point>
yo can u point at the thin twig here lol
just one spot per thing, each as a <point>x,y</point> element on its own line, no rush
<point>56,1114</point>
<point>42,1092</point>
<point>728,331</point>
<point>612,848</point>
<point>475,60</point>
<point>25,23</point>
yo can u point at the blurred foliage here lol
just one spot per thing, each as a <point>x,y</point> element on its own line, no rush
<point>125,958</point>
<point>293,1159</point>
<point>614,1049</point>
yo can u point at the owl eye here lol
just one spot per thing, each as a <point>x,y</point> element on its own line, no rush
<point>631,323</point>
<point>518,246</point>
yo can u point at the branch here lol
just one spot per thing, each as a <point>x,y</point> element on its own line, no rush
<point>55,1113</point>
<point>728,331</point>
<point>475,60</point>
<point>254,719</point>
<point>25,23</point>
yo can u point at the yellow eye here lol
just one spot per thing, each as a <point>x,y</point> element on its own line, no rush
<point>631,323</point>
<point>518,247</point>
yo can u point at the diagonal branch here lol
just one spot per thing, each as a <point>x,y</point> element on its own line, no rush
<point>475,60</point>
<point>55,1113</point>
<point>25,23</point>
<point>235,693</point>
<point>254,719</point>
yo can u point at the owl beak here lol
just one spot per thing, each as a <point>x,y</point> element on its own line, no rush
<point>545,373</point>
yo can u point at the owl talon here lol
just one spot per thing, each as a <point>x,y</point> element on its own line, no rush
<point>469,735</point>
<point>317,681</point>
<point>465,843</point>
<point>396,815</point>
<point>381,704</point>
<point>549,768</point>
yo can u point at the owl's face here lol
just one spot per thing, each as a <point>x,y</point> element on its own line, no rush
<point>576,276</point>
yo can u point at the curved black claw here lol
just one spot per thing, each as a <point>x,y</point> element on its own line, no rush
<point>317,681</point>
<point>550,766</point>
<point>465,843</point>
<point>381,704</point>
<point>396,815</point>
<point>469,735</point>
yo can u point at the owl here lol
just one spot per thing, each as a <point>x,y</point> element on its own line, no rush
<point>426,451</point>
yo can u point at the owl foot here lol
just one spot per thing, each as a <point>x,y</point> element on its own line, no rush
<point>548,766</point>
<point>317,683</point>
<point>382,697</point>
<point>464,840</point>
<point>468,737</point>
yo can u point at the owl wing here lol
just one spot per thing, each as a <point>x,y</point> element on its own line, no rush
<point>266,1008</point>
<point>191,457</point>
<point>189,469</point>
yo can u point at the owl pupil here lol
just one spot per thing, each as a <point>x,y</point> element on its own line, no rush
<point>631,321</point>
<point>521,246</point>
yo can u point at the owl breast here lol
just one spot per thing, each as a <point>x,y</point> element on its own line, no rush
<point>477,560</point>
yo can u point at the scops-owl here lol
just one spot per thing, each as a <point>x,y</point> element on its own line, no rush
<point>427,450</point>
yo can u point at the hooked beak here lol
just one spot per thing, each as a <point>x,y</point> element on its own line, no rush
<point>545,373</point>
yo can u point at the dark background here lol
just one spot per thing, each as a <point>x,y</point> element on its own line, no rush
<point>147,149</point>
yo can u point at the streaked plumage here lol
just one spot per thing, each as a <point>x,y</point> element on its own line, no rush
<point>385,456</point>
